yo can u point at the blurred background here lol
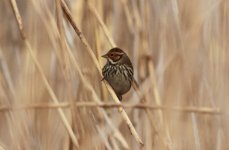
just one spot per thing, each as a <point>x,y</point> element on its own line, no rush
<point>179,50</point>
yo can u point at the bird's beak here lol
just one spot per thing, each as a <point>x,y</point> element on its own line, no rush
<point>104,56</point>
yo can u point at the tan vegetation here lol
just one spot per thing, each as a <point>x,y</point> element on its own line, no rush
<point>52,96</point>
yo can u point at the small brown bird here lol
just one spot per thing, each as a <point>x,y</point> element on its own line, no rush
<point>118,71</point>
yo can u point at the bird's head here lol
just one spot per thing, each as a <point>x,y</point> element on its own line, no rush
<point>115,55</point>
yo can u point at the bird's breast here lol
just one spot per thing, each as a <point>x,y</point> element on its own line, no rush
<point>119,77</point>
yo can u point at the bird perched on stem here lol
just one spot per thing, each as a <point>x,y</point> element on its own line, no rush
<point>118,71</point>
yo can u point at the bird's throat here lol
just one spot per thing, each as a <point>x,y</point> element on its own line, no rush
<point>112,61</point>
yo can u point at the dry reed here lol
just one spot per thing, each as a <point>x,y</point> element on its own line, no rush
<point>51,94</point>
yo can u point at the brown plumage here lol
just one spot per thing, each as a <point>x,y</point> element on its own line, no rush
<point>118,71</point>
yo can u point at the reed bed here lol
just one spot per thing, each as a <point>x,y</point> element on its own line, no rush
<point>52,96</point>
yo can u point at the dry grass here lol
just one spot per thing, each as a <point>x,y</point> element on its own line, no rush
<point>51,94</point>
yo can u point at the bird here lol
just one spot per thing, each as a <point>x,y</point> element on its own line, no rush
<point>118,71</point>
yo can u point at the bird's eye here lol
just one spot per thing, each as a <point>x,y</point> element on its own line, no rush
<point>111,55</point>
